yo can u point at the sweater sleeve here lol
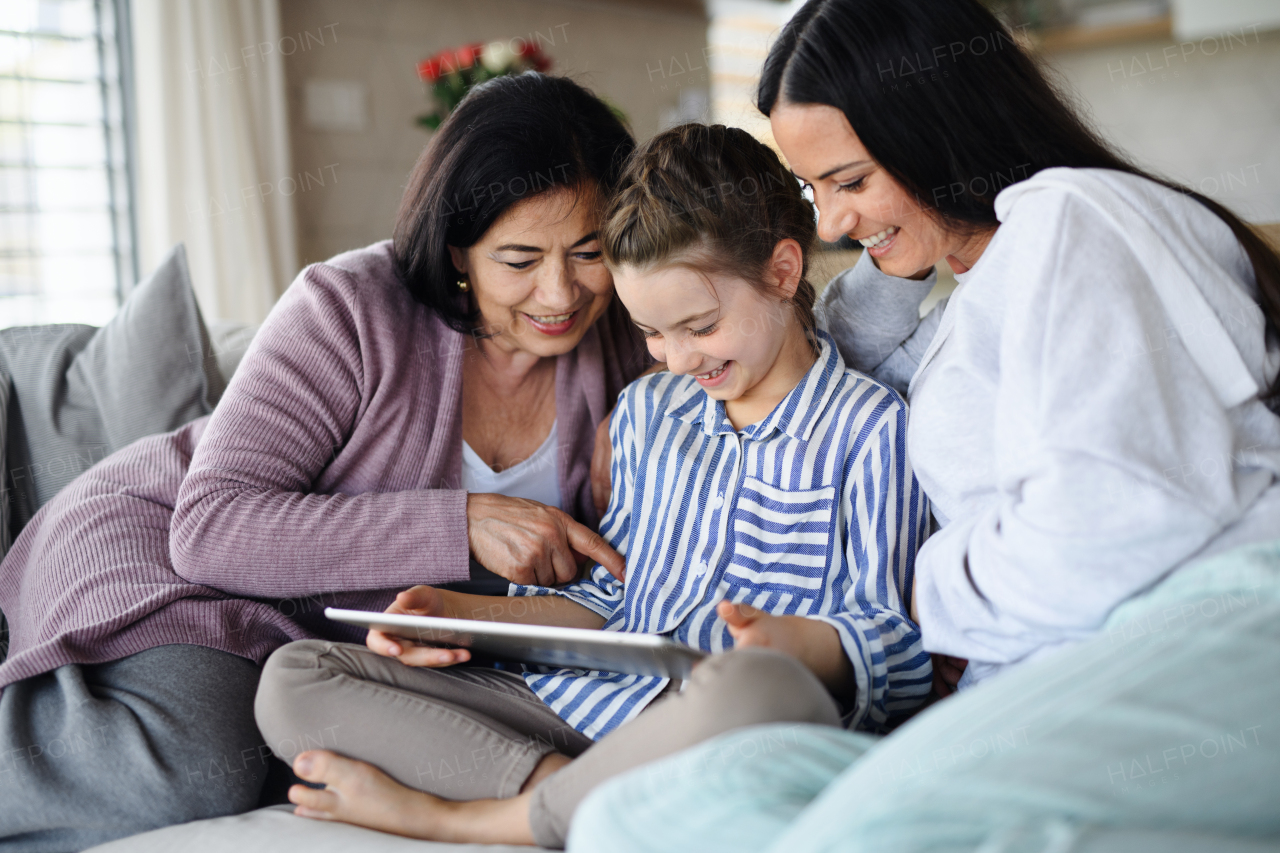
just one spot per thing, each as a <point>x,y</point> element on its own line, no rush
<point>247,520</point>
<point>1113,460</point>
<point>886,515</point>
<point>875,321</point>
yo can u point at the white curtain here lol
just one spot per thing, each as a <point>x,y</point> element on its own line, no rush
<point>213,149</point>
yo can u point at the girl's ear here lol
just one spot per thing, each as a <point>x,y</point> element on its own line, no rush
<point>787,265</point>
<point>459,258</point>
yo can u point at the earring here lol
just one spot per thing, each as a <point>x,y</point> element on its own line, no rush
<point>462,285</point>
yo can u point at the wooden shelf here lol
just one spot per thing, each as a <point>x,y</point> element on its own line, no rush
<point>1060,39</point>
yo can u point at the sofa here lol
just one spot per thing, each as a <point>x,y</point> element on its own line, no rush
<point>70,395</point>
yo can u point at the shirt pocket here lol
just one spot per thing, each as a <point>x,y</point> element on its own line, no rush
<point>782,539</point>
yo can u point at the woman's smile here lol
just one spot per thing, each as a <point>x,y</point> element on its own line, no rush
<point>552,324</point>
<point>879,244</point>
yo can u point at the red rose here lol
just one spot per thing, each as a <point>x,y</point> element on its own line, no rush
<point>468,54</point>
<point>429,70</point>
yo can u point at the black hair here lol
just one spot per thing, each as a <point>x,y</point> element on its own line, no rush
<point>950,105</point>
<point>510,139</point>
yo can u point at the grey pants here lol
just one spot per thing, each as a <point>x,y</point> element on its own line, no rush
<point>89,754</point>
<point>469,733</point>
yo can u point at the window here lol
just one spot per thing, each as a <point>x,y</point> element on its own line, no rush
<point>66,225</point>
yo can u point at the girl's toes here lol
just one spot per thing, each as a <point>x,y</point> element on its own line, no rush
<point>325,767</point>
<point>312,802</point>
<point>359,793</point>
<point>348,778</point>
<point>310,764</point>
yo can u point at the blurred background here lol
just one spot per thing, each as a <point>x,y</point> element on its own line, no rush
<point>269,134</point>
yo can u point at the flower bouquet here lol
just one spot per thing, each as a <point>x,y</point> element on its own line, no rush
<point>451,73</point>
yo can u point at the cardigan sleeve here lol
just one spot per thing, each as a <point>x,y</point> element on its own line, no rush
<point>875,321</point>
<point>246,519</point>
<point>1114,462</point>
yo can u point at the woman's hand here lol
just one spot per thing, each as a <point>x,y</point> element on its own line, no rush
<point>601,462</point>
<point>946,673</point>
<point>946,669</point>
<point>813,643</point>
<point>531,543</point>
<point>418,601</point>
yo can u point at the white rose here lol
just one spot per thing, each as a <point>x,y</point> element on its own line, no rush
<point>496,57</point>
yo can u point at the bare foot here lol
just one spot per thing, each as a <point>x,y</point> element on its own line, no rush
<point>361,794</point>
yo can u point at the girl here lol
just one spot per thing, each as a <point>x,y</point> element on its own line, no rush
<point>762,499</point>
<point>1092,416</point>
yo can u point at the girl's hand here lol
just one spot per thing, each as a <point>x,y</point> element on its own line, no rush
<point>531,543</point>
<point>815,644</point>
<point>751,626</point>
<point>418,601</point>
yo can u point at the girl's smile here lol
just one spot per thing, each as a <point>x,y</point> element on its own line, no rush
<point>714,378</point>
<point>739,341</point>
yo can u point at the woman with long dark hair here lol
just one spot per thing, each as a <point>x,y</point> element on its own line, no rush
<point>1091,418</point>
<point>1090,409</point>
<point>408,411</point>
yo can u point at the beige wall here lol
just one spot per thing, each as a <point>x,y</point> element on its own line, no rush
<point>1204,112</point>
<point>623,51</point>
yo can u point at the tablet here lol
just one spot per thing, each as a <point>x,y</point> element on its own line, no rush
<point>575,648</point>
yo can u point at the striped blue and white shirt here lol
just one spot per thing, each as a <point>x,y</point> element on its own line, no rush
<point>813,511</point>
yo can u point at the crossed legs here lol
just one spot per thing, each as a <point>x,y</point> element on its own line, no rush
<point>471,754</point>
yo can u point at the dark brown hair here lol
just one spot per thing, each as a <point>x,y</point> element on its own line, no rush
<point>714,199</point>
<point>510,139</point>
<point>980,116</point>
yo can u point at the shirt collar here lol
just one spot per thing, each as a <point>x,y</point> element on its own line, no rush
<point>795,415</point>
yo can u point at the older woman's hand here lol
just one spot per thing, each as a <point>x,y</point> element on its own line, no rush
<point>531,543</point>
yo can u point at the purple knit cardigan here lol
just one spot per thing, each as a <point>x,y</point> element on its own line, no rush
<point>328,476</point>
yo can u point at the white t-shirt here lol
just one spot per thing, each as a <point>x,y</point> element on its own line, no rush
<point>536,478</point>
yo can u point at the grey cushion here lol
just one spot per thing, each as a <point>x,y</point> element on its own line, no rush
<point>231,341</point>
<point>79,393</point>
<point>274,829</point>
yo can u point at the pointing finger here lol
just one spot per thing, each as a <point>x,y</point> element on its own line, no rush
<point>591,544</point>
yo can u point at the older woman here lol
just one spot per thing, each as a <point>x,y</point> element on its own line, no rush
<point>407,411</point>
